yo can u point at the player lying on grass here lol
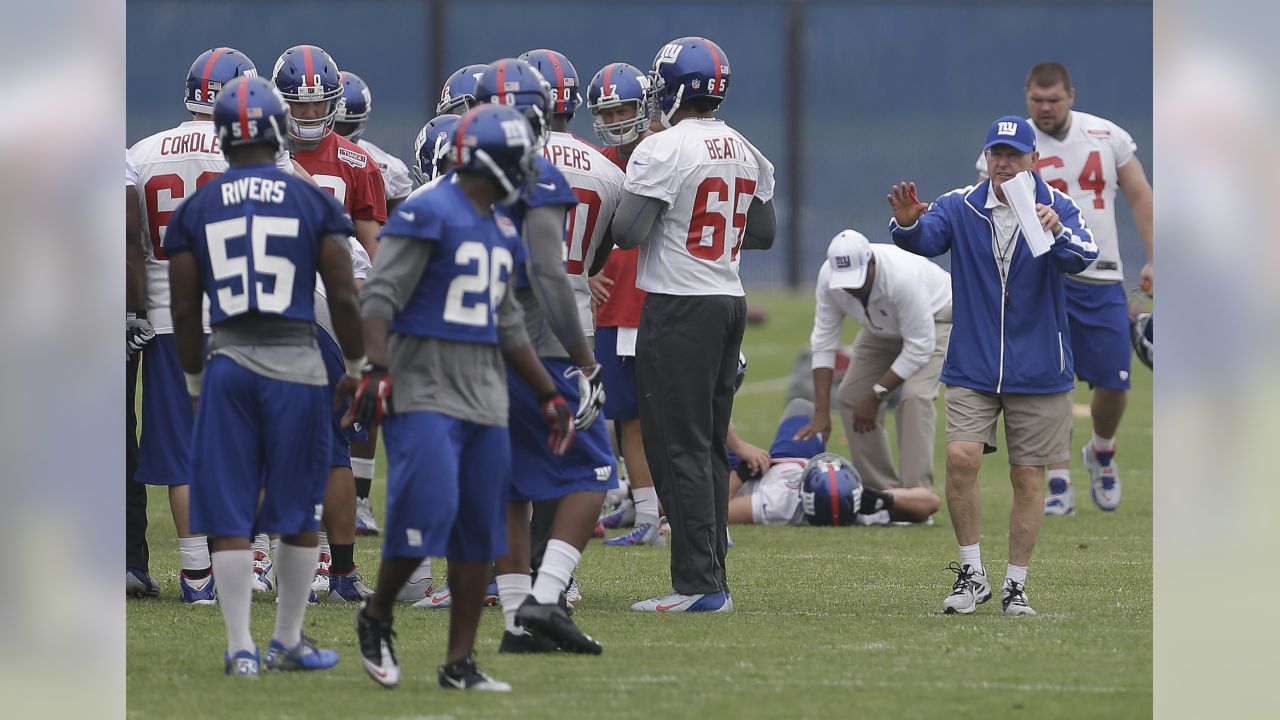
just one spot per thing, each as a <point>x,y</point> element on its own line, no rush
<point>774,498</point>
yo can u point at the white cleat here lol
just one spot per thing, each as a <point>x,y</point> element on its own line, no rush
<point>320,585</point>
<point>970,590</point>
<point>264,573</point>
<point>1105,485</point>
<point>1061,499</point>
<point>1013,599</point>
<point>366,523</point>
<point>719,602</point>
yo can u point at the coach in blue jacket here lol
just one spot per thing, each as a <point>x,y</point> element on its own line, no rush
<point>1009,348</point>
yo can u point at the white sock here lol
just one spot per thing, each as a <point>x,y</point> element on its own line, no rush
<point>646,501</point>
<point>194,553</point>
<point>1063,473</point>
<point>971,555</point>
<point>422,572</point>
<point>1016,573</point>
<point>261,544</point>
<point>234,569</point>
<point>363,468</point>
<point>324,543</point>
<point>1101,444</point>
<point>275,546</point>
<point>558,563</point>
<point>295,566</point>
<point>513,588</point>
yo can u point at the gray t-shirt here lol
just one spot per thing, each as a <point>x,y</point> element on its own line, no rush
<point>272,346</point>
<point>550,308</point>
<point>459,379</point>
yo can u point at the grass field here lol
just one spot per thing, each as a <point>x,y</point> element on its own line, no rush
<point>828,622</point>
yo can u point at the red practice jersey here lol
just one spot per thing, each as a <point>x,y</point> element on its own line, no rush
<point>625,302</point>
<point>344,169</point>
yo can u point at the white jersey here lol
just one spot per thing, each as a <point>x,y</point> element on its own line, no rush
<point>167,168</point>
<point>598,184</point>
<point>395,176</point>
<point>360,267</point>
<point>1083,165</point>
<point>707,174</point>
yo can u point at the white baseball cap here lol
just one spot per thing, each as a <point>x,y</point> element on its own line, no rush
<point>849,254</point>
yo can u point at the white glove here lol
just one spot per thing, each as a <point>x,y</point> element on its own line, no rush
<point>591,394</point>
<point>137,333</point>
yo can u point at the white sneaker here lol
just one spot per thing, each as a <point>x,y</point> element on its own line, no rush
<point>415,590</point>
<point>264,572</point>
<point>1105,485</point>
<point>1013,599</point>
<point>1061,500</point>
<point>366,524</point>
<point>970,590</point>
<point>573,593</point>
<point>676,602</point>
<point>879,517</point>
<point>320,585</point>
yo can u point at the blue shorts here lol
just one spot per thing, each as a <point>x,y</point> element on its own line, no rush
<point>336,366</point>
<point>167,416</point>
<point>254,433</point>
<point>619,376</point>
<point>785,446</point>
<point>446,494</point>
<point>536,473</point>
<point>1098,319</point>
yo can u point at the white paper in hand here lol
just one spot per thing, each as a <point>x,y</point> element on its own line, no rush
<point>1020,191</point>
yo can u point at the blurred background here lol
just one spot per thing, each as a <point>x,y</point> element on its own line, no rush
<point>844,97</point>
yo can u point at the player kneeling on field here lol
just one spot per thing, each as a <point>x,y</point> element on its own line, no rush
<point>806,486</point>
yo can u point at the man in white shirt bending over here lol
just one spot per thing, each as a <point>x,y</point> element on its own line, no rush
<point>903,303</point>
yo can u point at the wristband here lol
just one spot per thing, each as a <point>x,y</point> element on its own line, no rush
<point>355,368</point>
<point>193,383</point>
<point>130,316</point>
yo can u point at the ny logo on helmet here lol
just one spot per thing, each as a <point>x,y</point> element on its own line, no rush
<point>517,132</point>
<point>1007,128</point>
<point>668,54</point>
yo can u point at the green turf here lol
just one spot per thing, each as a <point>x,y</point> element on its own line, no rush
<point>829,622</point>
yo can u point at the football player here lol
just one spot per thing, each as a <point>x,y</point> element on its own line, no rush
<point>251,242</point>
<point>696,194</point>
<point>160,172</point>
<point>440,319</point>
<point>353,117</point>
<point>459,92</point>
<point>311,84</point>
<point>1088,158</point>
<point>580,479</point>
<point>138,332</point>
<point>774,497</point>
<point>620,102</point>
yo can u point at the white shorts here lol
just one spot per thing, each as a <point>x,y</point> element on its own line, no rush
<point>775,498</point>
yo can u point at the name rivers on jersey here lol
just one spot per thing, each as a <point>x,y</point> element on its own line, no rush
<point>253,188</point>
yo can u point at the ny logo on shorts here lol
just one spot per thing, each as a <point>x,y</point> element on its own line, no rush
<point>414,537</point>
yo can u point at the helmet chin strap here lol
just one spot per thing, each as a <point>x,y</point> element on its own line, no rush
<point>665,117</point>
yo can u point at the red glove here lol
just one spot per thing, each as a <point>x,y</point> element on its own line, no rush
<point>559,417</point>
<point>373,398</point>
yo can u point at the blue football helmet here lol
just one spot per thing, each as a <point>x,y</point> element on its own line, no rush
<point>830,490</point>
<point>616,85</point>
<point>688,68</point>
<point>459,92</point>
<point>516,84</point>
<point>305,73</point>
<point>496,140</point>
<point>213,69</point>
<point>250,110</point>
<point>1142,326</point>
<point>561,76</point>
<point>742,371</point>
<point>355,105</point>
<point>431,149</point>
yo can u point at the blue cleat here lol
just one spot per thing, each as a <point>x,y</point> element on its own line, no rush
<point>347,588</point>
<point>140,584</point>
<point>197,592</point>
<point>643,534</point>
<point>306,656</point>
<point>242,664</point>
<point>623,516</point>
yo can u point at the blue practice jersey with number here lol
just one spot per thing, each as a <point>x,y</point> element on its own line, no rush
<point>464,283</point>
<point>549,189</point>
<point>256,235</point>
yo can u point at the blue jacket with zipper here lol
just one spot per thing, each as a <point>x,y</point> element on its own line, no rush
<point>1009,335</point>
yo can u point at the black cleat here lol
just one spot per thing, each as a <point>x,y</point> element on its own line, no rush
<point>376,653</point>
<point>464,675</point>
<point>553,621</point>
<point>526,643</point>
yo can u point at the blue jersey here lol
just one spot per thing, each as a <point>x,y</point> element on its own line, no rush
<point>256,235</point>
<point>462,287</point>
<point>550,189</point>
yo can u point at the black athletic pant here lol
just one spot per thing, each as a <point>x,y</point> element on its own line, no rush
<point>136,554</point>
<point>544,515</point>
<point>687,359</point>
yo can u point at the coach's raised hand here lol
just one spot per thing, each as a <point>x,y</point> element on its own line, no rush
<point>907,208</point>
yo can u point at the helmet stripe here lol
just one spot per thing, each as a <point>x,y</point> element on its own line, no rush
<point>308,68</point>
<point>608,73</point>
<point>208,70</point>
<point>835,493</point>
<point>562,103</point>
<point>502,82</point>
<point>459,134</point>
<point>244,107</point>
<point>715,58</point>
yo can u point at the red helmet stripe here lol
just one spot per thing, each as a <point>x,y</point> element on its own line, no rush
<point>608,73</point>
<point>244,108</point>
<point>715,58</point>
<point>835,493</point>
<point>308,67</point>
<point>562,104</point>
<point>502,82</point>
<point>208,70</point>
<point>459,134</point>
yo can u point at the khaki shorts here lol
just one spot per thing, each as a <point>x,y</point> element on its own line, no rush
<point>1036,427</point>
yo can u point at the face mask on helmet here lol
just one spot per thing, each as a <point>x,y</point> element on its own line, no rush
<point>311,131</point>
